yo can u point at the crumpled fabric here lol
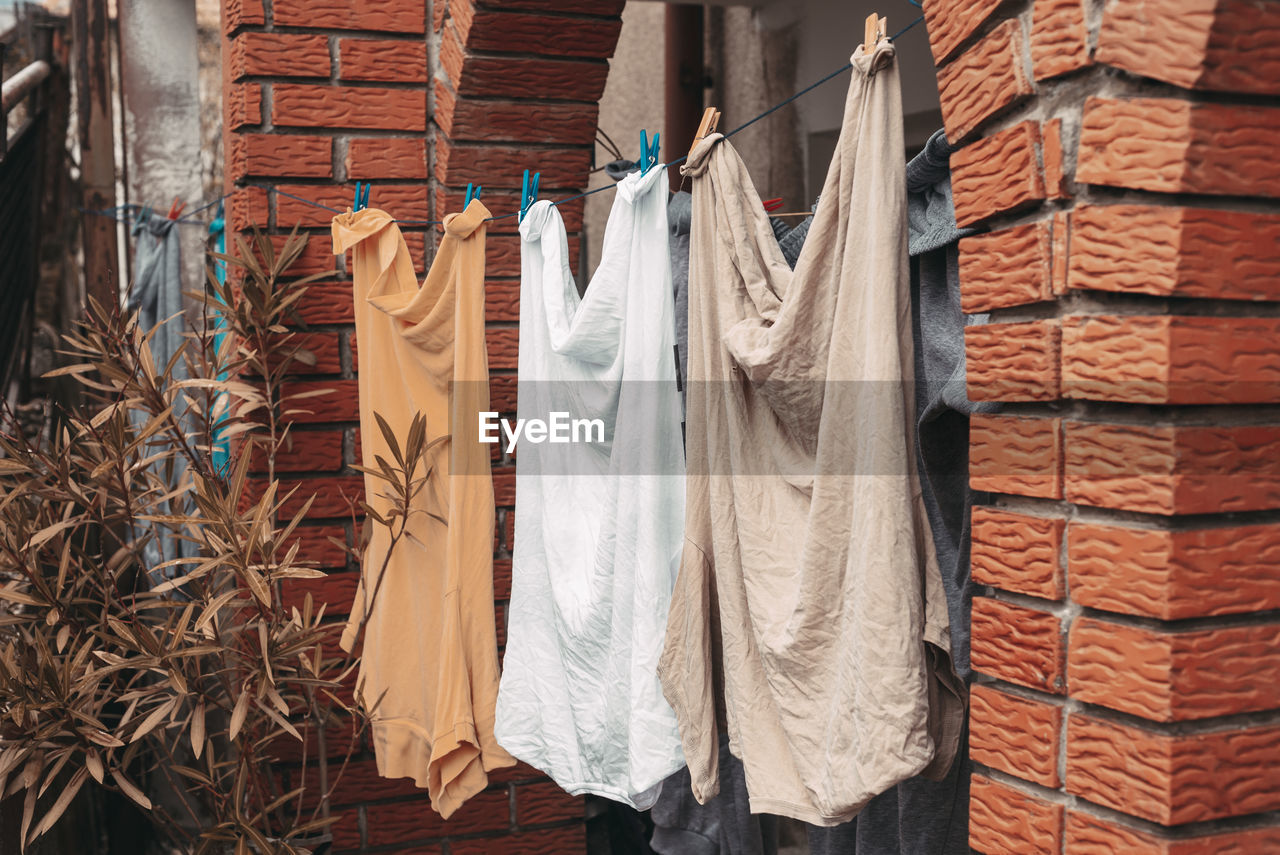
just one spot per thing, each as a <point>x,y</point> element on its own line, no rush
<point>156,296</point>
<point>808,589</point>
<point>920,816</point>
<point>598,524</point>
<point>429,666</point>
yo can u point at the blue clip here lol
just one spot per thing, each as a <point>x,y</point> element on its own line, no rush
<point>362,200</point>
<point>528,193</point>
<point>648,155</point>
<point>471,194</point>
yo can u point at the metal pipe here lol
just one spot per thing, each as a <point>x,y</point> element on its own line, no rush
<point>22,84</point>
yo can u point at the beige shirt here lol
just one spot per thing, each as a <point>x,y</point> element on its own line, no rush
<point>429,669</point>
<point>808,585</point>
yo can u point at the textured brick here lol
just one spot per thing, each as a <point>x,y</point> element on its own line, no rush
<point>1017,552</point>
<point>338,405</point>
<point>314,545</point>
<point>306,451</point>
<point>404,201</point>
<point>383,157</point>
<point>541,803</point>
<point>242,105</point>
<point>364,108</point>
<point>502,579</point>
<point>501,299</point>
<point>983,81</point>
<point>1172,251</point>
<point>536,79</point>
<point>334,496</point>
<point>1008,454</point>
<point>503,344</point>
<point>1061,243</point>
<point>1091,835</point>
<point>279,55</point>
<point>254,155</point>
<point>514,121</point>
<point>1015,735</point>
<point>406,822</point>
<point>391,16</point>
<point>504,485</point>
<point>1059,40</point>
<point>1018,644</point>
<point>951,22</point>
<point>1225,45</point>
<point>1174,676</point>
<point>1173,470</point>
<point>360,782</point>
<point>241,13</point>
<point>383,60</point>
<point>572,838</point>
<point>1055,176</point>
<point>246,208</point>
<point>1009,267</point>
<point>1174,574</point>
<point>1013,362</point>
<point>502,393</point>
<point>458,164</point>
<point>998,174</point>
<point>337,592</point>
<point>1175,360</point>
<point>598,8</point>
<point>1171,778</point>
<point>1173,146</point>
<point>1005,821</point>
<point>518,32</point>
<point>327,303</point>
<point>503,244</point>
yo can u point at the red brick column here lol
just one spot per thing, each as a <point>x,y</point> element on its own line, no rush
<point>418,98</point>
<point>1123,156</point>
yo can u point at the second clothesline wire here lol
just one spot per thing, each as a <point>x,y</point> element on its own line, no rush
<point>841,70</point>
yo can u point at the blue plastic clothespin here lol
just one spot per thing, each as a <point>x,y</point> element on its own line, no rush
<point>471,194</point>
<point>528,193</point>
<point>648,154</point>
<point>362,200</point>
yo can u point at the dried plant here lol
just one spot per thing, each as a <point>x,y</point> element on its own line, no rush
<point>193,687</point>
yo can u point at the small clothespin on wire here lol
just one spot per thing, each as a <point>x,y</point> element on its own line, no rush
<point>771,205</point>
<point>362,198</point>
<point>528,193</point>
<point>473,192</point>
<point>175,210</point>
<point>710,120</point>
<point>648,154</point>
<point>876,28</point>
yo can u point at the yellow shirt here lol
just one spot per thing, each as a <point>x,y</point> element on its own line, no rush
<point>429,671</point>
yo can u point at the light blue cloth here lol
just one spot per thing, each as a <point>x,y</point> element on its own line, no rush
<point>156,296</point>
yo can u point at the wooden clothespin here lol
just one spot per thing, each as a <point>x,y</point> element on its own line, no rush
<point>710,119</point>
<point>876,29</point>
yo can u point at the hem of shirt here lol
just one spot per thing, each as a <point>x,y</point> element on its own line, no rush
<point>671,840</point>
<point>595,788</point>
<point>803,813</point>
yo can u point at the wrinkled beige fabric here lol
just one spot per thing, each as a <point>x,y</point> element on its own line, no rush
<point>808,585</point>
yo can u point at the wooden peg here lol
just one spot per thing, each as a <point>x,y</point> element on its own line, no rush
<point>875,29</point>
<point>710,119</point>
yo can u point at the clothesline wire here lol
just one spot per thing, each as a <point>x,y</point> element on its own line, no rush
<point>111,212</point>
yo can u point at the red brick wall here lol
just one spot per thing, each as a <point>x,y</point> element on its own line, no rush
<point>1122,155</point>
<point>419,97</point>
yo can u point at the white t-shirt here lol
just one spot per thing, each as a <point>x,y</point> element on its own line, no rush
<point>599,521</point>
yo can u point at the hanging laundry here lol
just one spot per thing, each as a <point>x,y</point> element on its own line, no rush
<point>429,669</point>
<point>599,520</point>
<point>156,296</point>
<point>791,236</point>
<point>809,585</point>
<point>920,816</point>
<point>725,824</point>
